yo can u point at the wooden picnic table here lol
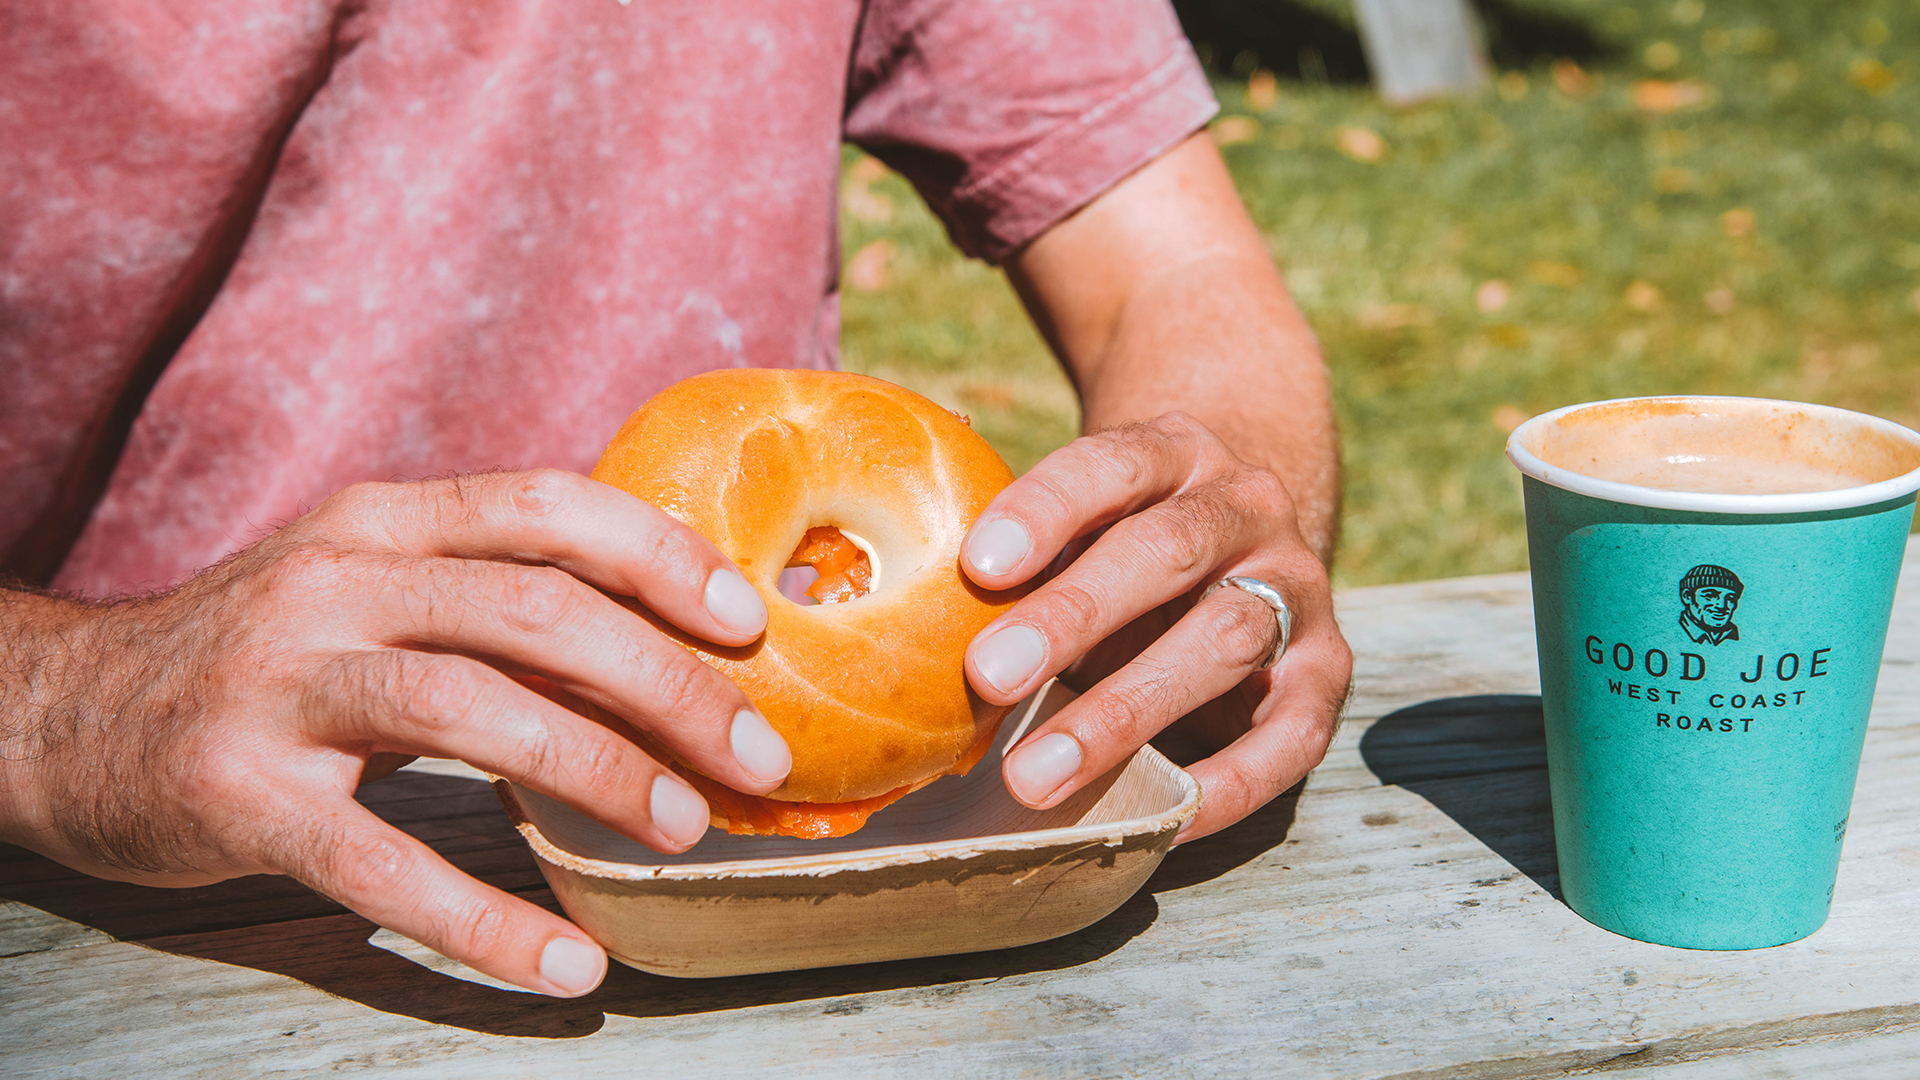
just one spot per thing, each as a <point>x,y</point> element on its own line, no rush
<point>1395,917</point>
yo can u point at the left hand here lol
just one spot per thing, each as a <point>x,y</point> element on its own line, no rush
<point>1163,509</point>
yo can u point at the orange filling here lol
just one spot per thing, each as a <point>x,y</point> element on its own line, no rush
<point>845,573</point>
<point>751,815</point>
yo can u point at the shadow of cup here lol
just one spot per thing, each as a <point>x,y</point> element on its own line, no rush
<point>1482,761</point>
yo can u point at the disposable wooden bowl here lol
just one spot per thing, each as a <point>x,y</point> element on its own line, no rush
<point>958,866</point>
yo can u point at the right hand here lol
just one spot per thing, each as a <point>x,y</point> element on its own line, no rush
<point>221,728</point>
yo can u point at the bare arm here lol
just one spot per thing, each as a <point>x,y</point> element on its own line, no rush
<point>1160,296</point>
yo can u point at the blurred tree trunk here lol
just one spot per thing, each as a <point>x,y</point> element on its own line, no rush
<point>1421,48</point>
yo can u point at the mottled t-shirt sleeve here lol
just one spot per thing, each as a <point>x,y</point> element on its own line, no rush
<point>1008,115</point>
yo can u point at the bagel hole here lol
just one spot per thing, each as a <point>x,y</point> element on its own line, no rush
<point>844,566</point>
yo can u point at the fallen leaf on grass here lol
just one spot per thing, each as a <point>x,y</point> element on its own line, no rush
<point>1872,76</point>
<point>1360,144</point>
<point>1508,417</point>
<point>1571,79</point>
<point>1507,335</point>
<point>1672,180</point>
<point>868,270</point>
<point>1862,354</point>
<point>1643,296</point>
<point>1396,316</point>
<point>859,200</point>
<point>1663,96</point>
<point>1262,90</point>
<point>1720,300</point>
<point>1672,143</point>
<point>991,395</point>
<point>864,204</point>
<point>1492,295</point>
<point>1512,85</point>
<point>1749,40</point>
<point>1565,275</point>
<point>1821,360</point>
<point>1737,222</point>
<point>1230,130</point>
<point>1816,363</point>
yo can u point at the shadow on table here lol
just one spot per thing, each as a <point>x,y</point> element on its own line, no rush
<point>1209,857</point>
<point>274,924</point>
<point>1482,761</point>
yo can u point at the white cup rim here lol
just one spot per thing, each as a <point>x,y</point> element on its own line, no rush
<point>1715,502</point>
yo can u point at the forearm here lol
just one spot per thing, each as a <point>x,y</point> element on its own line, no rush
<point>1161,296</point>
<point>42,640</point>
<point>1220,340</point>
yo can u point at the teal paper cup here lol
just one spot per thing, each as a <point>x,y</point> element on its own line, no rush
<point>1712,582</point>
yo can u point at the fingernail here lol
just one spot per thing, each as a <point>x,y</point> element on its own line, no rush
<point>678,811</point>
<point>572,965</point>
<point>998,546</point>
<point>735,604</point>
<point>1037,771</point>
<point>1009,656</point>
<point>758,748</point>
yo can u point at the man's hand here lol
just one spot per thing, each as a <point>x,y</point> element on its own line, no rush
<point>1177,511</point>
<point>1213,455</point>
<point>221,728</point>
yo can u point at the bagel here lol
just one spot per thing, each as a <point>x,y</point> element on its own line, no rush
<point>875,486</point>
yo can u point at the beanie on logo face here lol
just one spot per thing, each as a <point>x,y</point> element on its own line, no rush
<point>1708,576</point>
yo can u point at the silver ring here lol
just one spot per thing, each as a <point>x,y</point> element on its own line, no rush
<point>1270,596</point>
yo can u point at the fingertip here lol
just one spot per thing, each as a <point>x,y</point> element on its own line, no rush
<point>572,966</point>
<point>1006,658</point>
<point>734,604</point>
<point>395,880</point>
<point>1037,770</point>
<point>678,811</point>
<point>995,547</point>
<point>759,748</point>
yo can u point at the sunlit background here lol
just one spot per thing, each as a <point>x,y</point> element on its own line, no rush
<point>1718,196</point>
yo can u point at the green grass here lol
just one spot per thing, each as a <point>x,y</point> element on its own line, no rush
<point>1809,136</point>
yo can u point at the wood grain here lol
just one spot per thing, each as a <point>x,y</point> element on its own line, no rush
<point>1394,917</point>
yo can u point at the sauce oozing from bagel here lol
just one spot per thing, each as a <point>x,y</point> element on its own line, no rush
<point>845,571</point>
<point>753,815</point>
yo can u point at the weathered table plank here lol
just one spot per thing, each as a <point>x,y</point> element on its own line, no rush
<point>1393,919</point>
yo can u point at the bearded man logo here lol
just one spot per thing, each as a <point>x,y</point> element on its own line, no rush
<point>1708,596</point>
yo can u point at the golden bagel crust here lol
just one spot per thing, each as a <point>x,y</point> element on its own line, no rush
<point>870,694</point>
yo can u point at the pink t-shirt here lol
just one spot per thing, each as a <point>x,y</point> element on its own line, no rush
<point>252,251</point>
